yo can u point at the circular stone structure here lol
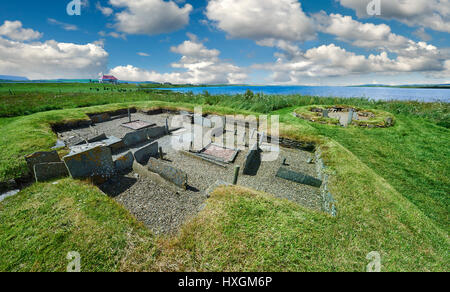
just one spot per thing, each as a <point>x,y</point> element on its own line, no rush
<point>345,115</point>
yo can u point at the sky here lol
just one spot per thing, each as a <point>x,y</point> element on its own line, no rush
<point>264,42</point>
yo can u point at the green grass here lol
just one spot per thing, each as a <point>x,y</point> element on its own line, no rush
<point>45,222</point>
<point>392,187</point>
<point>413,157</point>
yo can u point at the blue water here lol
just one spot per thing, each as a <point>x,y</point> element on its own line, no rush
<point>374,93</point>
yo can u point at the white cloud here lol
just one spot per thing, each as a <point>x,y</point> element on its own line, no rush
<point>334,61</point>
<point>200,65</point>
<point>142,54</point>
<point>107,11</point>
<point>51,59</point>
<point>65,26</point>
<point>150,17</point>
<point>14,31</point>
<point>261,20</point>
<point>434,14</point>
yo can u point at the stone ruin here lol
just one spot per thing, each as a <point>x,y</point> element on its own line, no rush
<point>145,149</point>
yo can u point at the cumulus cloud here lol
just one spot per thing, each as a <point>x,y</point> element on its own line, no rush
<point>106,11</point>
<point>331,61</point>
<point>65,26</point>
<point>150,17</point>
<point>200,65</point>
<point>51,59</point>
<point>14,31</point>
<point>434,14</point>
<point>261,20</point>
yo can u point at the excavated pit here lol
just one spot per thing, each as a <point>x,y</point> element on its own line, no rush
<point>162,206</point>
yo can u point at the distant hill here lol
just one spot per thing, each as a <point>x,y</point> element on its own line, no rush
<point>13,78</point>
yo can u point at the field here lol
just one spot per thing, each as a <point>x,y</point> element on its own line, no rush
<point>392,186</point>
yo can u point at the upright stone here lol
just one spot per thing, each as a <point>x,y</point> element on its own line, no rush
<point>124,162</point>
<point>50,170</point>
<point>41,157</point>
<point>136,137</point>
<point>143,154</point>
<point>91,163</point>
<point>252,161</point>
<point>171,174</point>
<point>325,113</point>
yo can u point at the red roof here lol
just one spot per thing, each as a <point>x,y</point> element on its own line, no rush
<point>109,77</point>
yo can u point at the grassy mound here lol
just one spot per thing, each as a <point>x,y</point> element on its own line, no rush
<point>378,118</point>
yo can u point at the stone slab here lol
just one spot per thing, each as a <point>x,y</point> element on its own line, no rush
<point>207,123</point>
<point>41,157</point>
<point>51,170</point>
<point>298,177</point>
<point>171,174</point>
<point>252,161</point>
<point>156,132</point>
<point>108,142</point>
<point>136,137</point>
<point>91,163</point>
<point>124,162</point>
<point>142,155</point>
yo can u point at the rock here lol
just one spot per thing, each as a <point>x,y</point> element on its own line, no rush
<point>252,161</point>
<point>134,138</point>
<point>94,162</point>
<point>171,174</point>
<point>124,162</point>
<point>297,177</point>
<point>48,171</point>
<point>41,157</point>
<point>142,155</point>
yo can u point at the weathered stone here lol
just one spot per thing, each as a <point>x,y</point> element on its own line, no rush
<point>171,174</point>
<point>198,120</point>
<point>41,157</point>
<point>143,154</point>
<point>51,170</point>
<point>297,177</point>
<point>325,113</point>
<point>100,118</point>
<point>124,162</point>
<point>94,139</point>
<point>94,162</point>
<point>156,132</point>
<point>252,161</point>
<point>136,137</point>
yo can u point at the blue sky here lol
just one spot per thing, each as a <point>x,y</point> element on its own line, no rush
<point>320,42</point>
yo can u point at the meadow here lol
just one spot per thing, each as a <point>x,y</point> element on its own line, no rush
<point>392,186</point>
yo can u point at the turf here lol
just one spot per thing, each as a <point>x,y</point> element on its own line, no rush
<point>391,187</point>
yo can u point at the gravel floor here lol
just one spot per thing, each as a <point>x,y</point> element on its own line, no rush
<point>161,207</point>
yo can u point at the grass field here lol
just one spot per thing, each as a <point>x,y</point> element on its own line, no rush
<point>392,187</point>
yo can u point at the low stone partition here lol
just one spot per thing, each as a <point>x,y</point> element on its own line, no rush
<point>143,154</point>
<point>41,157</point>
<point>124,162</point>
<point>252,161</point>
<point>96,162</point>
<point>298,177</point>
<point>171,174</point>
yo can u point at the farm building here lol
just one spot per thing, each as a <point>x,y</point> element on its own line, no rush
<point>108,79</point>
